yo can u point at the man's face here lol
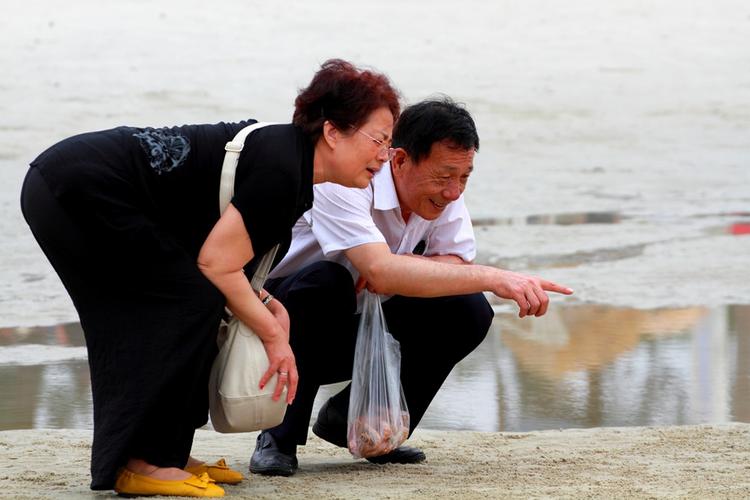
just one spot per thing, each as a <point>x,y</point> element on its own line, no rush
<point>426,188</point>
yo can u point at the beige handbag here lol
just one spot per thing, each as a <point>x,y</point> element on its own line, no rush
<point>236,402</point>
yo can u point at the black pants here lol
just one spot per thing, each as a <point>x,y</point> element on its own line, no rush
<point>434,333</point>
<point>150,326</point>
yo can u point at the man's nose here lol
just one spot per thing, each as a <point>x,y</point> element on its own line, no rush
<point>452,191</point>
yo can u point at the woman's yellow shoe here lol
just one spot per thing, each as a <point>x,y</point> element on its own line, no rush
<point>130,484</point>
<point>219,472</point>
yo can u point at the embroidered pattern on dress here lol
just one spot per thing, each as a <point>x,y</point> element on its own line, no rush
<point>165,150</point>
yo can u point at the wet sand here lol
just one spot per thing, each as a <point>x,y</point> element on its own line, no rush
<point>633,108</point>
<point>672,462</point>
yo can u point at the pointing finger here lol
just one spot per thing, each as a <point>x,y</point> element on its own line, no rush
<point>554,287</point>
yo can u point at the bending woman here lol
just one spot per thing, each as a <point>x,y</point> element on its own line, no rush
<point>129,219</point>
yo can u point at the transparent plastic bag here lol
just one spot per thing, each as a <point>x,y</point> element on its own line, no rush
<point>378,420</point>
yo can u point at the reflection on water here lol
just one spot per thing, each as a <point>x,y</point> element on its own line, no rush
<point>591,366</point>
<point>565,219</point>
<point>55,391</point>
<point>737,227</point>
<point>578,366</point>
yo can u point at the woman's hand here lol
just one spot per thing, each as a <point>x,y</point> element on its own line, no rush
<point>286,367</point>
<point>281,361</point>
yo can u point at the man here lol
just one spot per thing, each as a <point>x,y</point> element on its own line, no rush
<point>408,235</point>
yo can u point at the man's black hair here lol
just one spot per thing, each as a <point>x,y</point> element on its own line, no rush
<point>434,120</point>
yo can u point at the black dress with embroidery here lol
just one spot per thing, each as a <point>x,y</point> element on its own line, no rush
<point>122,214</point>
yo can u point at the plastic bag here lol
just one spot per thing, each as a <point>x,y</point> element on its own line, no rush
<point>378,420</point>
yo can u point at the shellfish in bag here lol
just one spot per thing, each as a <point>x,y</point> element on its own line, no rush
<point>378,420</point>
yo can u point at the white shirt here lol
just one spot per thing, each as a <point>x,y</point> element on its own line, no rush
<point>342,218</point>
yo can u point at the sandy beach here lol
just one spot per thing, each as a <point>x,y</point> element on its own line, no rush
<point>708,461</point>
<point>614,160</point>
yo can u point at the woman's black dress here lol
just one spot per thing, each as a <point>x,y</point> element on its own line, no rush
<point>122,214</point>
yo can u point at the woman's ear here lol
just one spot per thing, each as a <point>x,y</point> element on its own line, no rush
<point>330,134</point>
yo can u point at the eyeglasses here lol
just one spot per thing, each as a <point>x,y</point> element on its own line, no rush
<point>385,148</point>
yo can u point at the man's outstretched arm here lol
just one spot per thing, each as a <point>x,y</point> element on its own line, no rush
<point>392,274</point>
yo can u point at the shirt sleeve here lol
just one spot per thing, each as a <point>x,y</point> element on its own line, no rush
<point>452,233</point>
<point>341,218</point>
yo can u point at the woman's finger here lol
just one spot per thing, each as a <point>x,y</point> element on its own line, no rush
<point>272,369</point>
<point>281,382</point>
<point>293,380</point>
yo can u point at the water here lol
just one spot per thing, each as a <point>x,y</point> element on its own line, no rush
<point>583,366</point>
<point>595,366</point>
<point>44,378</point>
<point>614,159</point>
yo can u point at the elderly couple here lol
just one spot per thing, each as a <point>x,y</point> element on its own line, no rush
<point>129,219</point>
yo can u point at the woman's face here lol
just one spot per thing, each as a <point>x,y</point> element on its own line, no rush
<point>360,152</point>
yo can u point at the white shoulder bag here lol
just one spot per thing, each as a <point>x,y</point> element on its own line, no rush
<point>236,402</point>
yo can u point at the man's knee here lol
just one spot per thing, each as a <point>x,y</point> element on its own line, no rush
<point>321,303</point>
<point>474,315</point>
<point>325,281</point>
<point>453,326</point>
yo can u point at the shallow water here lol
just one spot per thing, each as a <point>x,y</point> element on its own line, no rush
<point>578,366</point>
<point>614,160</point>
<point>592,366</point>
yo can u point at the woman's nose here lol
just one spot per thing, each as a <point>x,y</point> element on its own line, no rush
<point>383,155</point>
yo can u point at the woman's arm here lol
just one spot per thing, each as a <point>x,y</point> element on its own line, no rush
<point>222,257</point>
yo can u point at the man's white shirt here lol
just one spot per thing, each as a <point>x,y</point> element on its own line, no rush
<point>342,218</point>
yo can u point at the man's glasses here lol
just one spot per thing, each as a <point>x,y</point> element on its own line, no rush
<point>385,148</point>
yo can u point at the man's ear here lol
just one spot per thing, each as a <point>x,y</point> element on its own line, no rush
<point>399,159</point>
<point>330,134</point>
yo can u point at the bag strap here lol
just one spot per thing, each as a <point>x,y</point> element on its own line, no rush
<point>228,169</point>
<point>233,149</point>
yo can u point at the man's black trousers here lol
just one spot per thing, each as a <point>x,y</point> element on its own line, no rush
<point>434,333</point>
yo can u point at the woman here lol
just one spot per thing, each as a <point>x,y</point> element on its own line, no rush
<point>129,219</point>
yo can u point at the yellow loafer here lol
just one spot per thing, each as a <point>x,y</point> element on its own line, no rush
<point>219,472</point>
<point>130,484</point>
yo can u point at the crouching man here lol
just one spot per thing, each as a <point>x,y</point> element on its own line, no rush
<point>408,236</point>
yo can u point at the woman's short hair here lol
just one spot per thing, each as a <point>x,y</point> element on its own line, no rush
<point>438,119</point>
<point>344,95</point>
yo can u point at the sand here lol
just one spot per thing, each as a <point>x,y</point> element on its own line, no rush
<point>707,461</point>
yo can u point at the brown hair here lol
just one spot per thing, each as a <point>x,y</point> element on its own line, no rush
<point>344,95</point>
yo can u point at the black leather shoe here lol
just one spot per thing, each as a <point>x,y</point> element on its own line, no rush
<point>401,455</point>
<point>331,426</point>
<point>268,460</point>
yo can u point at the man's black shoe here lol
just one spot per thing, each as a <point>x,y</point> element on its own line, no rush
<point>401,455</point>
<point>331,426</point>
<point>268,460</point>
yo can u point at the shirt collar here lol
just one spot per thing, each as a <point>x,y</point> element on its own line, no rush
<point>385,196</point>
